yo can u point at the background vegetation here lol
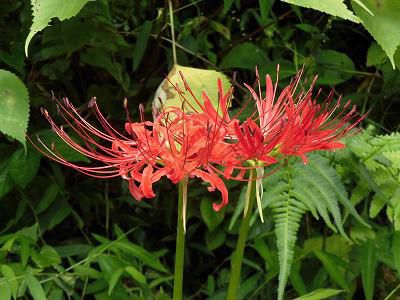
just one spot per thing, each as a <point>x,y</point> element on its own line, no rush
<point>66,236</point>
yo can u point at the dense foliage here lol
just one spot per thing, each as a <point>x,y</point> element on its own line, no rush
<point>331,226</point>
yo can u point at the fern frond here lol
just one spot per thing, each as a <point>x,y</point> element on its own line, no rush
<point>287,214</point>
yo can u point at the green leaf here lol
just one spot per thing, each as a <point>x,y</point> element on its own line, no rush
<point>5,290</point>
<point>138,276</point>
<point>47,257</point>
<point>14,106</point>
<point>209,215</point>
<point>383,25</point>
<point>368,266</point>
<point>23,166</point>
<point>395,250</point>
<point>141,44</point>
<point>215,239</point>
<point>239,57</point>
<point>331,264</point>
<point>199,80</point>
<point>49,196</point>
<point>104,59</point>
<point>333,67</point>
<point>6,183</point>
<point>375,55</point>
<point>320,294</point>
<point>114,280</point>
<point>35,287</point>
<point>45,10</point>
<point>227,5</point>
<point>135,250</point>
<point>11,278</point>
<point>332,7</point>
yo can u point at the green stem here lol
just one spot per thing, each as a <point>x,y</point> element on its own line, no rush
<point>237,256</point>
<point>171,20</point>
<point>180,241</point>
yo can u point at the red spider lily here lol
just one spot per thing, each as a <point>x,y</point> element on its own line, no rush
<point>293,124</point>
<point>297,124</point>
<point>176,145</point>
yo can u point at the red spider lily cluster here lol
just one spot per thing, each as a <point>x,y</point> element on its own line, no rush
<point>206,143</point>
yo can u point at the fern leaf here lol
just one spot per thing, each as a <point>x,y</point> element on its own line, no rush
<point>287,214</point>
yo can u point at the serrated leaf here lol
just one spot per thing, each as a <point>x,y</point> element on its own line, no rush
<point>383,25</point>
<point>333,7</point>
<point>45,10</point>
<point>209,215</point>
<point>35,287</point>
<point>23,166</point>
<point>199,80</point>
<point>320,294</point>
<point>14,106</point>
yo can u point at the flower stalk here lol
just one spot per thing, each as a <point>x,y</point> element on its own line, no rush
<point>180,240</point>
<point>237,256</point>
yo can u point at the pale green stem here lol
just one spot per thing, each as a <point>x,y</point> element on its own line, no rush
<point>237,256</point>
<point>180,240</point>
<point>171,20</point>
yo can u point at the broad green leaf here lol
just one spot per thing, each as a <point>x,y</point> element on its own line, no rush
<point>215,239</point>
<point>35,287</point>
<point>396,250</point>
<point>45,10</point>
<point>320,294</point>
<point>332,7</point>
<point>383,25</point>
<point>331,264</point>
<point>14,106</point>
<point>11,278</point>
<point>23,166</point>
<point>209,215</point>
<point>375,55</point>
<point>333,67</point>
<point>136,275</point>
<point>141,44</point>
<point>368,266</point>
<point>199,81</point>
<point>246,56</point>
